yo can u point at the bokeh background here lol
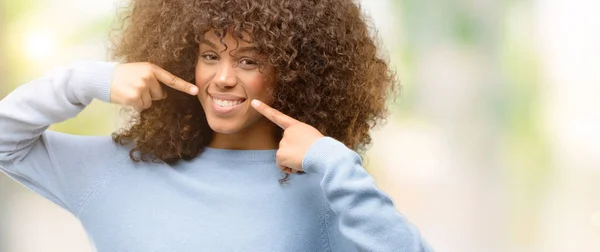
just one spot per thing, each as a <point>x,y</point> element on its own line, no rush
<point>493,145</point>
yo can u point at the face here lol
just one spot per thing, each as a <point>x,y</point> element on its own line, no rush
<point>228,79</point>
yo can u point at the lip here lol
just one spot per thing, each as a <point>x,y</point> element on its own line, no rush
<point>225,110</point>
<point>226,97</point>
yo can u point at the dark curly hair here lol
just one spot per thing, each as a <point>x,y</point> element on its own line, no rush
<point>328,70</point>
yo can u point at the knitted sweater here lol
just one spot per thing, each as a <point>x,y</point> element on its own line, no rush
<point>223,200</point>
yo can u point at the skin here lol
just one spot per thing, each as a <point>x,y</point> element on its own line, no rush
<point>230,72</point>
<point>297,138</point>
<point>329,75</point>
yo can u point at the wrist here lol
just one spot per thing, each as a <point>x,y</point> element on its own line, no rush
<point>323,151</point>
<point>93,80</point>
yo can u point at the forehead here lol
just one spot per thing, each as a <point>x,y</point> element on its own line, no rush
<point>213,37</point>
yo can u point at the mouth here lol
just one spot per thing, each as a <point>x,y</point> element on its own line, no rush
<point>226,104</point>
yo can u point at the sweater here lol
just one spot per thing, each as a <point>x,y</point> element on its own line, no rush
<point>222,200</point>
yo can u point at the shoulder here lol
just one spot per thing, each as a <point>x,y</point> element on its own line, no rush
<point>90,148</point>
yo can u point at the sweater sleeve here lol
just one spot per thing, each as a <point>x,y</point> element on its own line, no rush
<point>367,216</point>
<point>54,164</point>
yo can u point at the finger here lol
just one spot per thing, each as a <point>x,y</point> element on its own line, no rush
<point>281,167</point>
<point>146,100</point>
<point>281,119</point>
<point>285,169</point>
<point>174,81</point>
<point>156,91</point>
<point>139,106</point>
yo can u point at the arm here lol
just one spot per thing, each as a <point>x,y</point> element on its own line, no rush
<point>27,151</point>
<point>60,95</point>
<point>64,168</point>
<point>63,93</point>
<point>367,216</point>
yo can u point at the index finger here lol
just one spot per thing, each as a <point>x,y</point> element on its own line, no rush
<point>173,81</point>
<point>281,119</point>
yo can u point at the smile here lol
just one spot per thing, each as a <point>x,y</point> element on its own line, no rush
<point>226,104</point>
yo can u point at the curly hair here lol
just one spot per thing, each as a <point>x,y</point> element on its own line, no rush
<point>329,73</point>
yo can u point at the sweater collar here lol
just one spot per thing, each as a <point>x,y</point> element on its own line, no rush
<point>239,155</point>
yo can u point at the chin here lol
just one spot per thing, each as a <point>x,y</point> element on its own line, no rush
<point>218,126</point>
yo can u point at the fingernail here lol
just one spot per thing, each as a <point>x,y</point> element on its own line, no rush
<point>255,103</point>
<point>194,90</point>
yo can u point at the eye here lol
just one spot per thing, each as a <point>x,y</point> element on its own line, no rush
<point>248,62</point>
<point>209,57</point>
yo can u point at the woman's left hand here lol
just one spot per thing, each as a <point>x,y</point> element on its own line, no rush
<point>297,137</point>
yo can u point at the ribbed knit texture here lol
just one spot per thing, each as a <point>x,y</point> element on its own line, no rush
<point>223,200</point>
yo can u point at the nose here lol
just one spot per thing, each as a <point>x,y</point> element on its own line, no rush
<point>225,77</point>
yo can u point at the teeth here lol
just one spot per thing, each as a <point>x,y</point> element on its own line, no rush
<point>226,103</point>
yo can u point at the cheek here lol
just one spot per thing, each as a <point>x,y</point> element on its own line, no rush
<point>259,86</point>
<point>202,77</point>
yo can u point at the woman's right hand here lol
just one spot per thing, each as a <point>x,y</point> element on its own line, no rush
<point>138,84</point>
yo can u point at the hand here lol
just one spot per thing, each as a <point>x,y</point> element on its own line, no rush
<point>297,138</point>
<point>138,84</point>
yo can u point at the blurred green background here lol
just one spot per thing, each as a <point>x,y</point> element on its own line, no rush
<point>493,145</point>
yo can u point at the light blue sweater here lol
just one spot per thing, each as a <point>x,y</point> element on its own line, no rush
<point>223,200</point>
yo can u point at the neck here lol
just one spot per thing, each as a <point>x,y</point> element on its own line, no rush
<point>258,137</point>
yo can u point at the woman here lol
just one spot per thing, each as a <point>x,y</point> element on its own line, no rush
<point>231,95</point>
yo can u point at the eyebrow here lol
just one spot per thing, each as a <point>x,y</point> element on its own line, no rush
<point>209,43</point>
<point>242,49</point>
